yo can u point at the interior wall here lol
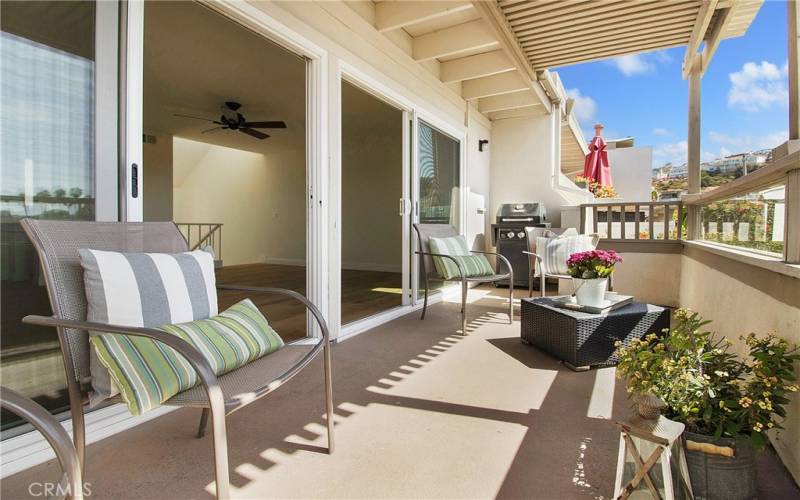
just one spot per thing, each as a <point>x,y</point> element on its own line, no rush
<point>372,182</point>
<point>157,177</point>
<point>242,190</point>
<point>740,299</point>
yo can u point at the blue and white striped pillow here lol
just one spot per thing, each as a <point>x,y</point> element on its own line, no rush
<point>144,289</point>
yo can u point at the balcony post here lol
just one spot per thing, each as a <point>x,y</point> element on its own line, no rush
<point>793,14</point>
<point>693,156</point>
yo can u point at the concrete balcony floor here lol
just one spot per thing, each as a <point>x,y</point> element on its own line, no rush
<point>422,412</point>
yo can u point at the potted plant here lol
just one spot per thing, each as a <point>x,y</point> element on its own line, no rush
<point>590,271</point>
<point>727,402</point>
<point>582,182</point>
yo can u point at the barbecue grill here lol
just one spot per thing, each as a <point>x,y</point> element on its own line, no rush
<point>508,235</point>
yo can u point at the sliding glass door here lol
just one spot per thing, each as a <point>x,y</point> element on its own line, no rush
<point>56,82</point>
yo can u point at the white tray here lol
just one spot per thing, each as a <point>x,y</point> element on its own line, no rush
<point>612,300</point>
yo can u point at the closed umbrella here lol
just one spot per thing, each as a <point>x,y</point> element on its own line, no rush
<point>595,167</point>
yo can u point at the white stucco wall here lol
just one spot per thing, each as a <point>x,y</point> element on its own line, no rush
<point>524,166</point>
<point>740,299</point>
<point>631,171</point>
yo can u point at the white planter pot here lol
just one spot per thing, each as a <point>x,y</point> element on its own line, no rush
<point>590,292</point>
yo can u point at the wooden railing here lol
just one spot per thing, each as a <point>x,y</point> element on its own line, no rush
<point>203,234</point>
<point>639,221</point>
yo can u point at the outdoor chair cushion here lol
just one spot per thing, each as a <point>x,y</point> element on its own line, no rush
<point>149,373</point>
<point>555,251</point>
<point>144,289</point>
<point>456,246</point>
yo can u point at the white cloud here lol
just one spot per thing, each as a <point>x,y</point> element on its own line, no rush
<point>634,64</point>
<point>758,86</point>
<point>661,131</point>
<point>670,152</point>
<point>585,108</point>
<point>741,143</point>
<point>639,64</point>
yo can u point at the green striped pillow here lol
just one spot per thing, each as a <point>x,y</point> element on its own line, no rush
<point>148,373</point>
<point>456,246</point>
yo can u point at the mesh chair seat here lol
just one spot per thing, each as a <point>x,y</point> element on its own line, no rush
<point>244,384</point>
<point>480,279</point>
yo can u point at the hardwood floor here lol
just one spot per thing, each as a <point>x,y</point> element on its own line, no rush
<point>364,293</point>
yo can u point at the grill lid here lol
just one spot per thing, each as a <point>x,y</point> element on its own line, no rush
<point>521,212</point>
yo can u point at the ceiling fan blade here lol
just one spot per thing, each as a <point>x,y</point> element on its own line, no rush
<point>198,118</point>
<point>276,124</point>
<point>212,130</point>
<point>254,133</point>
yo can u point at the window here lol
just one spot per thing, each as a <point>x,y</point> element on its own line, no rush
<point>754,220</point>
<point>47,66</point>
<point>439,178</point>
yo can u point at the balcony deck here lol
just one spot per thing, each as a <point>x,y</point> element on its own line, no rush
<point>422,412</point>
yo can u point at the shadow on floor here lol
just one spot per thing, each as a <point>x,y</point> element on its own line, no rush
<point>562,453</point>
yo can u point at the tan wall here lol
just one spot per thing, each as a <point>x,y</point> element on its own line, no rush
<point>157,177</point>
<point>259,199</point>
<point>739,299</point>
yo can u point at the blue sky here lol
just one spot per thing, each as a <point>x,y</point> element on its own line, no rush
<point>744,94</point>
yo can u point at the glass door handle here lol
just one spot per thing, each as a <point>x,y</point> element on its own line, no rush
<point>405,207</point>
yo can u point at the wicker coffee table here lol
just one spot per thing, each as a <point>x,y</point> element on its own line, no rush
<point>583,340</point>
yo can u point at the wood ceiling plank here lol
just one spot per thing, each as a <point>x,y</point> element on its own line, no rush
<point>595,38</point>
<point>449,41</point>
<point>511,100</point>
<point>393,15</point>
<point>477,66</point>
<point>544,9</point>
<point>621,51</point>
<point>602,15</point>
<point>487,86</point>
<point>678,16</point>
<point>565,38</point>
<point>603,43</point>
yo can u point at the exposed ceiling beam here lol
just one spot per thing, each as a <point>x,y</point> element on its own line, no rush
<point>493,85</point>
<point>522,99</point>
<point>393,15</point>
<point>715,37</point>
<point>516,113</point>
<point>704,16</point>
<point>477,66</point>
<point>508,41</point>
<point>454,40</point>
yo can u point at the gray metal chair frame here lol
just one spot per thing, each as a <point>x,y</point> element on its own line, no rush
<point>57,243</point>
<point>535,262</point>
<point>424,233</point>
<point>52,431</point>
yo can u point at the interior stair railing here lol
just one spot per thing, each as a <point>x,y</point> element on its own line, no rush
<point>201,235</point>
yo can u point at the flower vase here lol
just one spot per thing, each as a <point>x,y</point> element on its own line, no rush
<point>591,292</point>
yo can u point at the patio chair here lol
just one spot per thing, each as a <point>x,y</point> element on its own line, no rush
<point>536,259</point>
<point>427,231</point>
<point>33,413</point>
<point>57,243</point>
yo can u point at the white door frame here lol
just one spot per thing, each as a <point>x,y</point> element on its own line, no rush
<point>347,72</point>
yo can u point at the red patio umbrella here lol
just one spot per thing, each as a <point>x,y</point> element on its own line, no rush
<point>595,167</point>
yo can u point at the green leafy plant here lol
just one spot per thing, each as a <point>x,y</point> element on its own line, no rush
<point>708,388</point>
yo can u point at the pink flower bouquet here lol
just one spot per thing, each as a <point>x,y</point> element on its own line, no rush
<point>592,264</point>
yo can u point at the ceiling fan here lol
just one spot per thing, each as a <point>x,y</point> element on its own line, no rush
<point>231,119</point>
